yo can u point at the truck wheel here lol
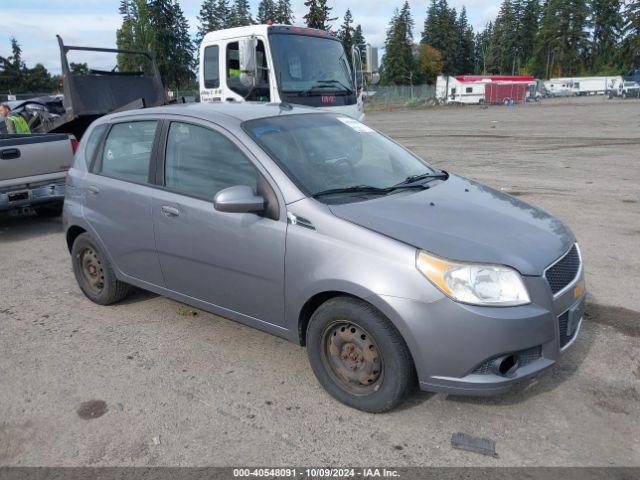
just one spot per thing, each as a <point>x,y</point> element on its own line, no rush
<point>94,273</point>
<point>358,356</point>
<point>46,211</point>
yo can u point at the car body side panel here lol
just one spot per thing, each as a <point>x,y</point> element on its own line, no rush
<point>120,216</point>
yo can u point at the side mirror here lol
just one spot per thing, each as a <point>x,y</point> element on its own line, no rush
<point>356,60</point>
<point>238,199</point>
<point>248,63</point>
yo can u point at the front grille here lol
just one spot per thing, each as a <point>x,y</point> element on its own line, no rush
<point>564,271</point>
<point>563,324</point>
<point>526,357</point>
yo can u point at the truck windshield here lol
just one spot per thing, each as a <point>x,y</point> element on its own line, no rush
<point>312,70</point>
<point>323,153</point>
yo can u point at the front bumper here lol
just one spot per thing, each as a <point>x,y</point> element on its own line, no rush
<point>32,194</point>
<point>453,344</point>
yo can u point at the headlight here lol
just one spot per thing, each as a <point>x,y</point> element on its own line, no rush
<point>473,283</point>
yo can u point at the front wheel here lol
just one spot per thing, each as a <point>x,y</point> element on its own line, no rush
<point>358,355</point>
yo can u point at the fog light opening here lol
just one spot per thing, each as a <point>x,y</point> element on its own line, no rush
<point>507,365</point>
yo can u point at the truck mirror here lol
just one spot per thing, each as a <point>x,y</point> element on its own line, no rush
<point>356,60</point>
<point>248,64</point>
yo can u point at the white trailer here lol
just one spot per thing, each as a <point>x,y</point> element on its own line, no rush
<point>570,86</point>
<point>284,63</point>
<point>593,85</point>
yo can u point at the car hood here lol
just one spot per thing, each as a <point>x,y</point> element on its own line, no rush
<point>464,220</point>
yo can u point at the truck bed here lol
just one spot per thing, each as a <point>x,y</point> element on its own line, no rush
<point>33,169</point>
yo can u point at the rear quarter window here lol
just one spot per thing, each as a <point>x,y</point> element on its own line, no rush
<point>93,142</point>
<point>127,151</point>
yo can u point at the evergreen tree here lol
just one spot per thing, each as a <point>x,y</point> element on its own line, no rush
<point>504,44</point>
<point>214,15</point>
<point>562,41</point>
<point>528,30</point>
<point>442,32</point>
<point>483,50</point>
<point>399,65</point>
<point>318,14</point>
<point>136,33</point>
<point>240,14</point>
<point>284,12</point>
<point>267,11</point>
<point>607,32</point>
<point>632,34</point>
<point>172,44</point>
<point>346,34</point>
<point>465,44</point>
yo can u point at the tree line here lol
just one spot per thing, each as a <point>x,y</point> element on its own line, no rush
<point>543,38</point>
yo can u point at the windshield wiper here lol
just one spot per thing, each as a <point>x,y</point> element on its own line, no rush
<point>336,82</point>
<point>324,84</point>
<point>367,189</point>
<point>423,176</point>
<point>351,189</point>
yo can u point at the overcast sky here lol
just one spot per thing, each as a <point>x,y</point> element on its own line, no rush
<point>94,22</point>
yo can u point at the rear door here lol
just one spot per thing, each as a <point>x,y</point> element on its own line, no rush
<point>232,260</point>
<point>118,197</point>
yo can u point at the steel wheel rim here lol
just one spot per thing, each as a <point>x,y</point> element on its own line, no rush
<point>91,270</point>
<point>352,357</point>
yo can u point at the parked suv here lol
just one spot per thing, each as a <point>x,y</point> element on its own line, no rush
<point>312,226</point>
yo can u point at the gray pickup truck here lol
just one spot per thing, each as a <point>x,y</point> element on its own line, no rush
<point>33,170</point>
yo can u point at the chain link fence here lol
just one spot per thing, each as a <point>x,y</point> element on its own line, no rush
<point>379,97</point>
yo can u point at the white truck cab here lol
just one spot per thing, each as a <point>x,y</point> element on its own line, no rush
<point>283,63</point>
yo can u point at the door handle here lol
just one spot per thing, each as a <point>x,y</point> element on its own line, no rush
<point>9,153</point>
<point>93,189</point>
<point>170,211</point>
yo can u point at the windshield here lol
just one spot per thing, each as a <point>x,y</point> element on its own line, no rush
<point>312,70</point>
<point>323,152</point>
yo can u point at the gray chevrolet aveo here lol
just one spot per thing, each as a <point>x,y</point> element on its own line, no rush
<point>312,226</point>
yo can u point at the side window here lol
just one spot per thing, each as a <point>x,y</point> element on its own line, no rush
<point>212,67</point>
<point>469,90</point>
<point>201,162</point>
<point>260,92</point>
<point>127,151</point>
<point>93,142</point>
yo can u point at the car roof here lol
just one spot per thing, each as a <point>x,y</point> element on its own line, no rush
<point>221,112</point>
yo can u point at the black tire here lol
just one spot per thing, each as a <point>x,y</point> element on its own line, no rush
<point>342,322</point>
<point>47,211</point>
<point>94,273</point>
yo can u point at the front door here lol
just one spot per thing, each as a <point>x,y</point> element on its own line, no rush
<point>118,199</point>
<point>232,260</point>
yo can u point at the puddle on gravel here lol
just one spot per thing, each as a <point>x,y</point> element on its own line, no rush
<point>92,409</point>
<point>622,319</point>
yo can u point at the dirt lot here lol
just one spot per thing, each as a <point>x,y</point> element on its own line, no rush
<point>169,389</point>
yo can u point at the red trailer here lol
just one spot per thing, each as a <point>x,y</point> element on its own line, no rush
<point>499,92</point>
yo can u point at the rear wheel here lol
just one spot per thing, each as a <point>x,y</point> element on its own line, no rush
<point>94,273</point>
<point>358,356</point>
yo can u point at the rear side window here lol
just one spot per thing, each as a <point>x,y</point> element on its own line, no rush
<point>211,67</point>
<point>127,151</point>
<point>201,162</point>
<point>93,142</point>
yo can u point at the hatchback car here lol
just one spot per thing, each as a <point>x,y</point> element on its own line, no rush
<point>312,226</point>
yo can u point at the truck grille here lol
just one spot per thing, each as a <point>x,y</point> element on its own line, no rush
<point>525,357</point>
<point>564,271</point>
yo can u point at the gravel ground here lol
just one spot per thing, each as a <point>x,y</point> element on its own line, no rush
<point>141,383</point>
